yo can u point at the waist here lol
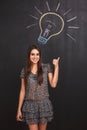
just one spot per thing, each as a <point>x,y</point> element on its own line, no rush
<point>36,99</point>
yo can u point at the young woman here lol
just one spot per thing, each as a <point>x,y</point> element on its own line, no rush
<point>35,107</point>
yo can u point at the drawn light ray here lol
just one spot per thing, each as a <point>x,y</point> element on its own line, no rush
<point>71,37</point>
<point>38,10</point>
<point>48,7</point>
<point>31,25</point>
<point>48,21</point>
<point>72,19</point>
<point>34,17</point>
<point>73,27</point>
<point>67,12</point>
<point>57,7</point>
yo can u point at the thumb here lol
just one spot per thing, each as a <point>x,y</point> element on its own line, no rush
<point>58,58</point>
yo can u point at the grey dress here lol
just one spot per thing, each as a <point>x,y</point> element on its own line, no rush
<point>37,107</point>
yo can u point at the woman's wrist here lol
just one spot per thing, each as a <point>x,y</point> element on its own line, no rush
<point>56,67</point>
<point>19,110</point>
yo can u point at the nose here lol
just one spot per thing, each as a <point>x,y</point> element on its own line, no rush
<point>35,56</point>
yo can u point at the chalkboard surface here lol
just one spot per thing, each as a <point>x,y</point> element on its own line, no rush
<point>19,28</point>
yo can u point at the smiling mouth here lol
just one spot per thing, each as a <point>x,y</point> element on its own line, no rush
<point>35,60</point>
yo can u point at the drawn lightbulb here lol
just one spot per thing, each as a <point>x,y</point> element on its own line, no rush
<point>51,24</point>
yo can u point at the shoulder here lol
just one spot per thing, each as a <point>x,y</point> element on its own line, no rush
<point>44,65</point>
<point>22,72</point>
<point>47,66</point>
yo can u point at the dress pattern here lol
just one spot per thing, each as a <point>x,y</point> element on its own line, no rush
<point>37,107</point>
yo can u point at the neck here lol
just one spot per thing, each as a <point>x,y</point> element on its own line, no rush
<point>34,68</point>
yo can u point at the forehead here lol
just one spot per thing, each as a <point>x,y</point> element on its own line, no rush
<point>34,51</point>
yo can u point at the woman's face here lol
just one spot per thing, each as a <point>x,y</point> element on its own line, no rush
<point>34,56</point>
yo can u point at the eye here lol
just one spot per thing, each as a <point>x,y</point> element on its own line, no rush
<point>32,54</point>
<point>37,54</point>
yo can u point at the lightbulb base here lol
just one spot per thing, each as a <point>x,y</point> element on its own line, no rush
<point>42,40</point>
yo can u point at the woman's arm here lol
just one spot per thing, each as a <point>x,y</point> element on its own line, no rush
<point>21,99</point>
<point>53,77</point>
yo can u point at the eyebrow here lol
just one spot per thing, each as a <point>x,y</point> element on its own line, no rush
<point>34,53</point>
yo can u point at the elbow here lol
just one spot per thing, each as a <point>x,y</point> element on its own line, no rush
<point>53,85</point>
<point>22,92</point>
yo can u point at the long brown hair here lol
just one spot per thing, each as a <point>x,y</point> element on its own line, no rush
<point>28,65</point>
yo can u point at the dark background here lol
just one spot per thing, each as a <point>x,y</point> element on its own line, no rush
<point>70,97</point>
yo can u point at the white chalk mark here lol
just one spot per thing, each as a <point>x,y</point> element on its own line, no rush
<point>51,22</point>
<point>72,19</point>
<point>73,27</point>
<point>71,37</point>
<point>38,10</point>
<point>48,5</point>
<point>34,17</point>
<point>67,12</point>
<point>57,7</point>
<point>31,26</point>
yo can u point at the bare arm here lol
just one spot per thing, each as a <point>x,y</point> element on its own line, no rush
<point>21,99</point>
<point>53,77</point>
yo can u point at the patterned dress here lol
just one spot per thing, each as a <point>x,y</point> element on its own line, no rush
<point>37,107</point>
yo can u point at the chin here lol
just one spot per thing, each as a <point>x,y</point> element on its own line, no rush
<point>35,62</point>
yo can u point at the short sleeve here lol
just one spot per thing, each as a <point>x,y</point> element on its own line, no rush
<point>49,68</point>
<point>22,73</point>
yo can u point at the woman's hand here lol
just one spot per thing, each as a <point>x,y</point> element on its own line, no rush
<point>56,62</point>
<point>53,77</point>
<point>19,116</point>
